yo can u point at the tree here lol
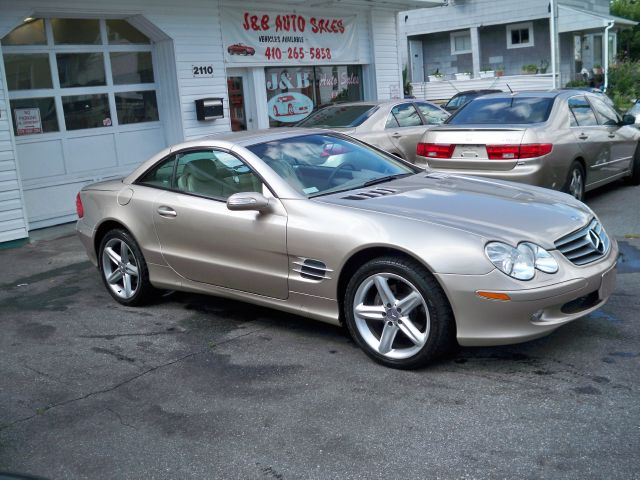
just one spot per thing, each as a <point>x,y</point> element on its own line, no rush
<point>628,40</point>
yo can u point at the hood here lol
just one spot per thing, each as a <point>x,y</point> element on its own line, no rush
<point>493,209</point>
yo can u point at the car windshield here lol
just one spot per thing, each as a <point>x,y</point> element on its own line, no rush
<point>339,116</point>
<point>513,110</point>
<point>320,164</point>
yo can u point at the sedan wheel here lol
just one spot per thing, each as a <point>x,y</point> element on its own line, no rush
<point>575,181</point>
<point>398,313</point>
<point>124,271</point>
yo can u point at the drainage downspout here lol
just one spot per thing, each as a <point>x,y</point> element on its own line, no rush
<point>605,40</point>
<point>554,41</point>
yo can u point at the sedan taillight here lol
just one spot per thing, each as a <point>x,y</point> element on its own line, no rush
<point>515,152</point>
<point>79,207</point>
<point>435,150</point>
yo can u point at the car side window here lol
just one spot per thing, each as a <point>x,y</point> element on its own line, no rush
<point>605,114</point>
<point>214,174</point>
<point>406,115</point>
<point>581,113</point>
<point>160,175</point>
<point>432,114</point>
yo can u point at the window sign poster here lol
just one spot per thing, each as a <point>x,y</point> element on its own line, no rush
<point>264,37</point>
<point>27,121</point>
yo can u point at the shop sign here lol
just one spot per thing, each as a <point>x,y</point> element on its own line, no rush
<point>264,37</point>
<point>27,121</point>
<point>289,107</point>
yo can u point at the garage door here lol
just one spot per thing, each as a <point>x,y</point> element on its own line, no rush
<point>83,103</point>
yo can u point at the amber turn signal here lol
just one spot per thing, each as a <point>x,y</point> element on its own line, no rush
<point>494,296</point>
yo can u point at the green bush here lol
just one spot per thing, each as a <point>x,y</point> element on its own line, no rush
<point>624,84</point>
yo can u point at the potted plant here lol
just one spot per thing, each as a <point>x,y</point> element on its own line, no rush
<point>530,69</point>
<point>500,71</point>
<point>436,76</point>
<point>487,72</point>
<point>597,69</point>
<point>463,76</point>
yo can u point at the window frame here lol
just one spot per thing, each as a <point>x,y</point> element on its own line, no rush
<point>520,26</point>
<point>110,89</point>
<point>176,155</point>
<point>577,125</point>
<point>454,35</point>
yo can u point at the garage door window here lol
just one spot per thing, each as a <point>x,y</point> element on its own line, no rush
<point>68,74</point>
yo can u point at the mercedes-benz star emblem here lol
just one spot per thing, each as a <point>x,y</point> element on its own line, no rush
<point>594,240</point>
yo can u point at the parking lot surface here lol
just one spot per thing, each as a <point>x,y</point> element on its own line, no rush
<point>200,387</point>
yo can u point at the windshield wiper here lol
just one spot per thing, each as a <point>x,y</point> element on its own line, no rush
<point>388,178</point>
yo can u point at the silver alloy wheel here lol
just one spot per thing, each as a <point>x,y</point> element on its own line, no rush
<point>576,185</point>
<point>391,316</point>
<point>120,268</point>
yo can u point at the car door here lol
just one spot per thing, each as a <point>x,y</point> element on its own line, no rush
<point>621,139</point>
<point>404,129</point>
<point>205,242</point>
<point>591,137</point>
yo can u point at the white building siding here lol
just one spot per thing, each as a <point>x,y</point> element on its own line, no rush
<point>386,59</point>
<point>13,221</point>
<point>471,13</point>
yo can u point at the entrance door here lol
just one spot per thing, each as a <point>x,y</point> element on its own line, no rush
<point>241,104</point>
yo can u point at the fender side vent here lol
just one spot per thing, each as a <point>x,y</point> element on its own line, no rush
<point>375,193</point>
<point>312,269</point>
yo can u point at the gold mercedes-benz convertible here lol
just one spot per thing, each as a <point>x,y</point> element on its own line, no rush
<point>322,225</point>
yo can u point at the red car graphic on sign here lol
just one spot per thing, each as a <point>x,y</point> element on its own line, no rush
<point>240,49</point>
<point>286,105</point>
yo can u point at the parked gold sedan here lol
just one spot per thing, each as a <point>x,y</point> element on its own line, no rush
<point>322,225</point>
<point>567,140</point>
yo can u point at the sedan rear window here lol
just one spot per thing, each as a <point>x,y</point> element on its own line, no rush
<point>516,110</point>
<point>339,116</point>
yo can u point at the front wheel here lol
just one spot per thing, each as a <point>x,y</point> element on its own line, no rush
<point>397,313</point>
<point>123,268</point>
<point>575,181</point>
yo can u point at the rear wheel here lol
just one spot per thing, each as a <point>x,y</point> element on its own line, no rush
<point>397,313</point>
<point>575,181</point>
<point>634,178</point>
<point>123,268</point>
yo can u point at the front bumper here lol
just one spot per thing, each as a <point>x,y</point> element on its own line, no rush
<point>534,309</point>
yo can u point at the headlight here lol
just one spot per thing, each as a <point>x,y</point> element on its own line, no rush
<point>520,262</point>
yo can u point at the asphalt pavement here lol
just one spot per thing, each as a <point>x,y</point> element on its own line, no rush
<point>207,388</point>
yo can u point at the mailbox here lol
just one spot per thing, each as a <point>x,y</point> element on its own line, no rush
<point>209,108</point>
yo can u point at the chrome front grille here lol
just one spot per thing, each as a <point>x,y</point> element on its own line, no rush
<point>311,269</point>
<point>585,245</point>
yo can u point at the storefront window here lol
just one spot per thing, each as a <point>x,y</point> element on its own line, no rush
<point>121,32</point>
<point>85,91</point>
<point>86,111</point>
<point>136,107</point>
<point>131,67</point>
<point>80,69</point>
<point>34,115</point>
<point>27,71</point>
<point>75,31</point>
<point>294,92</point>
<point>29,33</point>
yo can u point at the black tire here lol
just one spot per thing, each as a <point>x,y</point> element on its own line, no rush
<point>140,288</point>
<point>440,324</point>
<point>634,178</point>
<point>576,175</point>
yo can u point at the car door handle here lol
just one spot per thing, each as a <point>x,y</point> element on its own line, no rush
<point>582,136</point>
<point>612,135</point>
<point>165,211</point>
<point>396,135</point>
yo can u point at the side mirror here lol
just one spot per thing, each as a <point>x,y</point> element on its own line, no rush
<point>247,201</point>
<point>628,119</point>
